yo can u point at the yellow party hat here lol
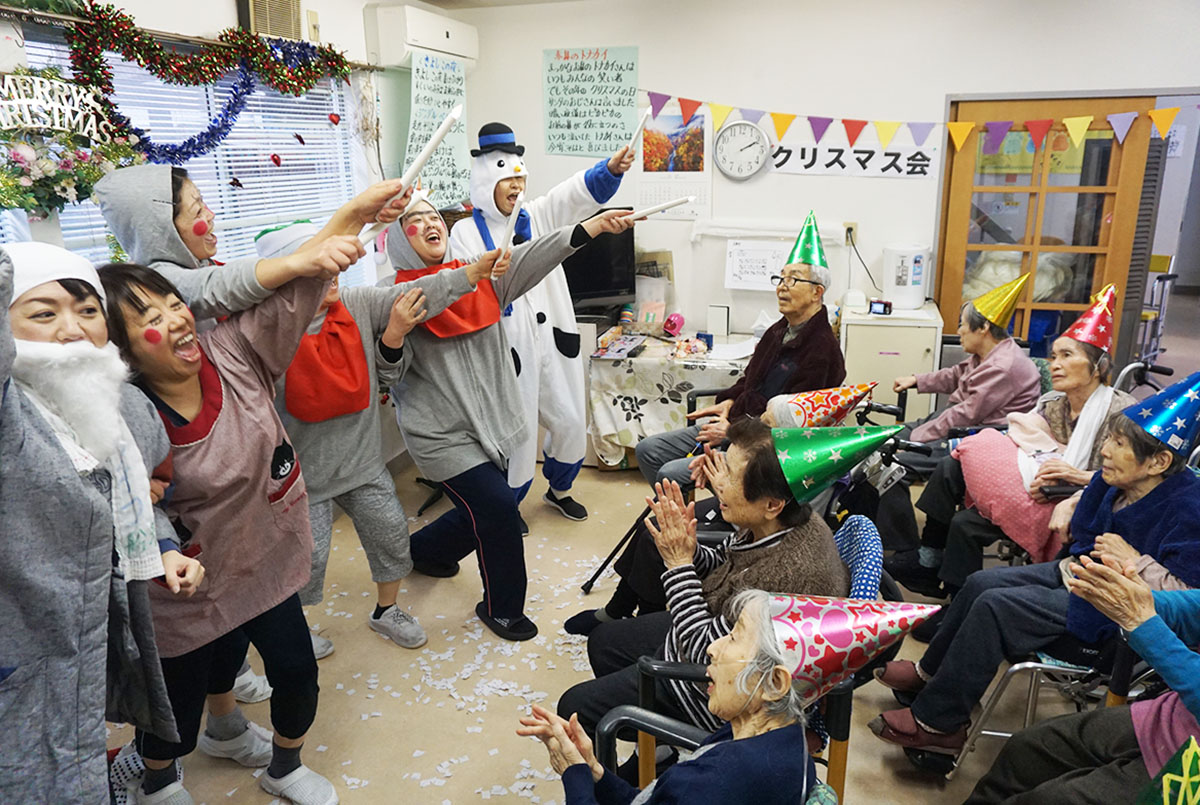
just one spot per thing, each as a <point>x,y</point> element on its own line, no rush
<point>998,304</point>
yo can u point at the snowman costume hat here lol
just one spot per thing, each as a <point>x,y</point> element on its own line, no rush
<point>540,326</point>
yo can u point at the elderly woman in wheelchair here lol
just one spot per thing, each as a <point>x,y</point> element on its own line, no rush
<point>1141,508</point>
<point>759,754</point>
<point>1111,754</point>
<point>997,478</point>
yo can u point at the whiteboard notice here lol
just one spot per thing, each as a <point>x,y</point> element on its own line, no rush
<point>439,83</point>
<point>749,264</point>
<point>590,99</point>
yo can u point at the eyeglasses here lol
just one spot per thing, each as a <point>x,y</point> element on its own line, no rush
<point>790,282</point>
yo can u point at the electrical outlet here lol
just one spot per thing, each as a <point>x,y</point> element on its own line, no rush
<point>851,232</point>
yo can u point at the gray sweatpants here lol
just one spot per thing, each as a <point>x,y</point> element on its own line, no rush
<point>382,529</point>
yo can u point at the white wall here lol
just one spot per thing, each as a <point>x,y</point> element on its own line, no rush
<point>874,60</point>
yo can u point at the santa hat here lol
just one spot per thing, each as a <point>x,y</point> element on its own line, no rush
<point>1173,415</point>
<point>1095,326</point>
<point>825,640</point>
<point>36,263</point>
<point>812,458</point>
<point>497,137</point>
<point>998,304</point>
<point>807,248</point>
<point>818,409</point>
<point>282,240</point>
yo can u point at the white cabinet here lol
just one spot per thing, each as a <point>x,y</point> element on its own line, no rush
<point>882,348</point>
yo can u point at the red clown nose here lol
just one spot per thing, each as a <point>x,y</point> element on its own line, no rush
<point>200,228</point>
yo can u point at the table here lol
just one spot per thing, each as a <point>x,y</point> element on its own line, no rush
<point>631,398</point>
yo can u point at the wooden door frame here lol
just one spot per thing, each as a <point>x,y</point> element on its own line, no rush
<point>939,230</point>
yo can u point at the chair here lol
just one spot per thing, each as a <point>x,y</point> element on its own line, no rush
<point>860,547</point>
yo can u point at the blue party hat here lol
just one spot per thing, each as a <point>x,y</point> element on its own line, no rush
<point>1173,415</point>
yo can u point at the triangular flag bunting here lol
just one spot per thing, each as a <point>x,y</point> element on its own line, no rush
<point>688,108</point>
<point>753,115</point>
<point>885,130</point>
<point>819,125</point>
<point>960,130</point>
<point>782,122</point>
<point>1077,128</point>
<point>1163,118</point>
<point>920,132</point>
<point>1037,130</point>
<point>719,112</point>
<point>657,101</point>
<point>1121,123</point>
<point>996,132</point>
<point>853,129</point>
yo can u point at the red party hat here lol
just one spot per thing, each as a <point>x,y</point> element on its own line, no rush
<point>1095,325</point>
<point>825,408</point>
<point>825,640</point>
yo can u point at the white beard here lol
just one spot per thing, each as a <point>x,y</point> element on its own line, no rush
<point>81,384</point>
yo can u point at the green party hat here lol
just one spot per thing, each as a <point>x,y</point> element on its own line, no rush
<point>808,245</point>
<point>812,458</point>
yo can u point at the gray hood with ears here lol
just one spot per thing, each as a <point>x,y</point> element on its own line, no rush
<point>136,205</point>
<point>401,253</point>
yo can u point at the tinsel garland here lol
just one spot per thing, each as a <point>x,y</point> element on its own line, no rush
<point>198,144</point>
<point>287,67</point>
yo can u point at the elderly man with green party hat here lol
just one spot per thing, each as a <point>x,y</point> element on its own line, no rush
<point>797,353</point>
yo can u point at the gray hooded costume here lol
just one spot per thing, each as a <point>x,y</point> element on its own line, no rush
<point>459,405</point>
<point>136,204</point>
<point>68,619</point>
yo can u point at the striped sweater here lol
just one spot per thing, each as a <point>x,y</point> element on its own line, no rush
<point>800,560</point>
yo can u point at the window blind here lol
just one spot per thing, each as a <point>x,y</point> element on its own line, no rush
<point>312,180</point>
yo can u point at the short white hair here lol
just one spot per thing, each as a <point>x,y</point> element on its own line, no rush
<point>818,274</point>
<point>768,653</point>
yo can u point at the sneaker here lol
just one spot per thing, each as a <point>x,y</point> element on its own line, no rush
<point>900,675</point>
<point>251,749</point>
<point>900,727</point>
<point>250,687</point>
<point>518,628</point>
<point>906,568</point>
<point>398,626</point>
<point>174,794</point>
<point>322,646</point>
<point>301,787</point>
<point>524,525</point>
<point>582,623</point>
<point>566,506</point>
<point>438,570</point>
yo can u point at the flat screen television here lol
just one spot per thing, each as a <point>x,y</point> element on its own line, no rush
<point>602,272</point>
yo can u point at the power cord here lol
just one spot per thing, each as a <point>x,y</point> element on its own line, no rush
<point>854,246</point>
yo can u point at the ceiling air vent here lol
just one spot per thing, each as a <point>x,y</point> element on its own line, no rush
<point>271,17</point>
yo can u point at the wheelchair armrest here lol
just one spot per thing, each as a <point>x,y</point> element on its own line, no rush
<point>1060,490</point>
<point>696,393</point>
<point>839,703</point>
<point>675,733</point>
<point>665,669</point>
<point>963,431</point>
<point>711,539</point>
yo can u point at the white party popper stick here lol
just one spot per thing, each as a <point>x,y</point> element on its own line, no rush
<point>666,205</point>
<point>414,170</point>
<point>635,140</point>
<point>506,241</point>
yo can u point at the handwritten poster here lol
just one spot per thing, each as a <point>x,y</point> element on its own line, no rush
<point>590,99</point>
<point>438,83</point>
<point>749,264</point>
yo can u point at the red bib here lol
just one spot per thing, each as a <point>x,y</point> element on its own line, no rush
<point>328,377</point>
<point>472,312</point>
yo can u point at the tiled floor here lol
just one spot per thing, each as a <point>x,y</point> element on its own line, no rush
<point>436,725</point>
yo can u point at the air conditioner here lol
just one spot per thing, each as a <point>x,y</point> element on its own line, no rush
<point>393,31</point>
<point>270,17</point>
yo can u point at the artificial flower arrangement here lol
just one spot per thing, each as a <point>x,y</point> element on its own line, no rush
<point>41,174</point>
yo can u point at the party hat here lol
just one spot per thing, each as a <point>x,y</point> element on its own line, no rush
<point>998,304</point>
<point>1172,416</point>
<point>825,640</point>
<point>823,408</point>
<point>812,458</point>
<point>1095,326</point>
<point>808,245</point>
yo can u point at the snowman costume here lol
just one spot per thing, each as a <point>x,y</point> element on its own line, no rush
<point>540,326</point>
